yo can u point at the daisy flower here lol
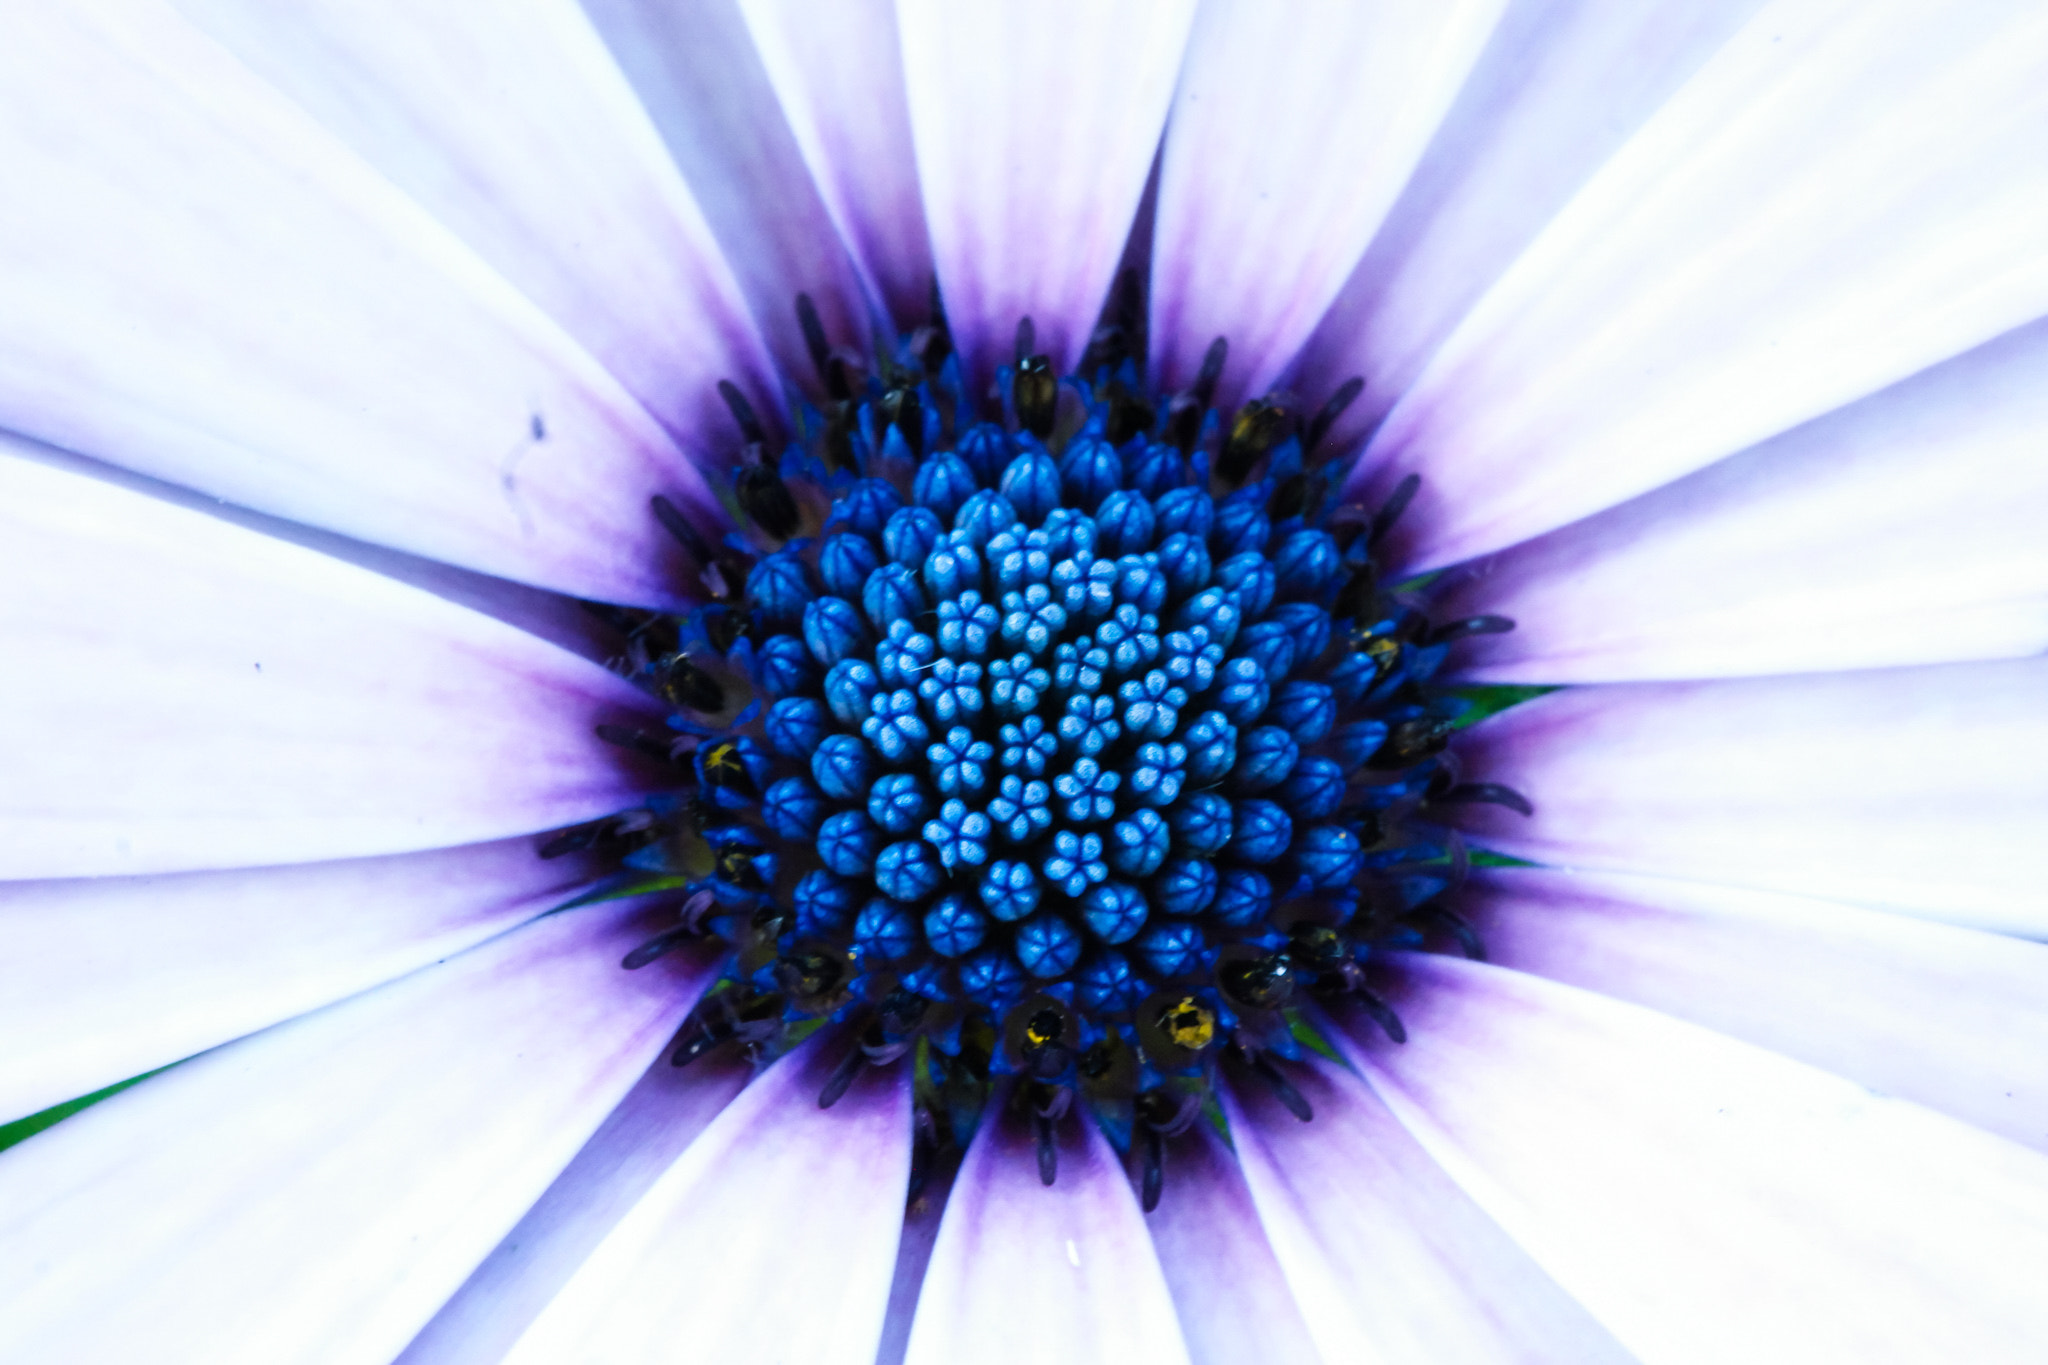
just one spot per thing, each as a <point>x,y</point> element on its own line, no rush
<point>1102,680</point>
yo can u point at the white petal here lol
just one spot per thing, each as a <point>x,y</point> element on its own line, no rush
<point>1036,125</point>
<point>1023,1273</point>
<point>697,72</point>
<point>1913,789</point>
<point>838,70</point>
<point>1558,89</point>
<point>1903,529</point>
<point>521,135</point>
<point>183,693</point>
<point>653,1125</point>
<point>1707,1200</point>
<point>1291,136</point>
<point>1950,1018</point>
<point>773,1237</point>
<point>107,977</point>
<point>315,1192</point>
<point>1234,1303</point>
<point>1390,1261</point>
<point>202,284</point>
<point>1846,193</point>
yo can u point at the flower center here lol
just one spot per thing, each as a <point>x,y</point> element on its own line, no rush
<point>1076,740</point>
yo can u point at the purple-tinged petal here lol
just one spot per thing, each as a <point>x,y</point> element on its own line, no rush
<point>913,1255</point>
<point>1024,1273</point>
<point>1389,1260</point>
<point>104,978</point>
<point>1234,1303</point>
<point>202,284</point>
<point>1707,1200</point>
<point>1914,789</point>
<point>1903,529</point>
<point>183,693</point>
<point>1723,279</point>
<point>315,1192</point>
<point>696,71</point>
<point>522,136</point>
<point>838,71</point>
<point>1290,138</point>
<point>642,1138</point>
<point>1954,1019</point>
<point>1035,125</point>
<point>778,1224</point>
<point>1558,89</point>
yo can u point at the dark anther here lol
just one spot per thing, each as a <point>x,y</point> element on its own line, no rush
<point>1317,946</point>
<point>900,407</point>
<point>1037,392</point>
<point>1319,425</point>
<point>655,947</point>
<point>902,1010</point>
<point>721,1016</point>
<point>1096,1061</point>
<point>1487,793</point>
<point>723,767</point>
<point>722,628</point>
<point>1260,983</point>
<point>1204,387</point>
<point>1391,510</point>
<point>645,745</point>
<point>1289,498</point>
<point>1187,1024</point>
<point>1045,1049</point>
<point>736,866</point>
<point>1184,421</point>
<point>1048,1150</point>
<point>838,440</point>
<point>742,413</point>
<point>1152,1154</point>
<point>842,1076</point>
<point>1129,415</point>
<point>1471,625</point>
<point>1381,1013</point>
<point>1357,599</point>
<point>1411,741</point>
<point>1283,1090</point>
<point>707,1035</point>
<point>764,497</point>
<point>1027,340</point>
<point>682,683</point>
<point>1459,928</point>
<point>831,373</point>
<point>807,975</point>
<point>1258,426</point>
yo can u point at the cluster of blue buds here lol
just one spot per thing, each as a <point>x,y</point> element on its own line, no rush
<point>1079,742</point>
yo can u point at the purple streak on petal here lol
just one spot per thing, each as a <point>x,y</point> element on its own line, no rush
<point>1389,1259</point>
<point>1950,1018</point>
<point>523,137</point>
<point>186,694</point>
<point>775,1232</point>
<point>1707,1200</point>
<point>1561,85</point>
<point>1913,789</point>
<point>1903,529</point>
<point>1843,195</point>
<point>557,619</point>
<point>913,1255</point>
<point>1234,1303</point>
<point>202,284</point>
<point>696,70</point>
<point>1025,1273</point>
<point>1035,125</point>
<point>1289,140</point>
<point>104,978</point>
<point>653,1125</point>
<point>838,71</point>
<point>315,1192</point>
